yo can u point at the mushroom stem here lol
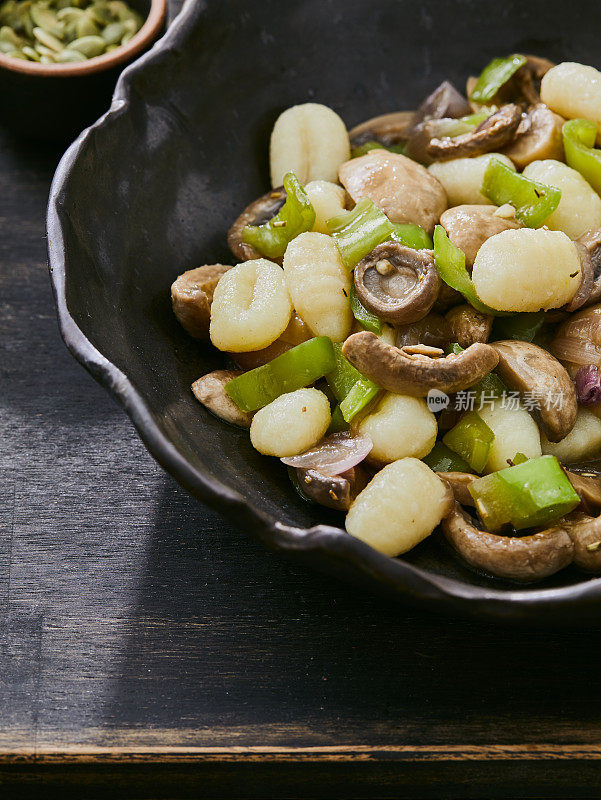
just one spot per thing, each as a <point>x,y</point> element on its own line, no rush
<point>416,375</point>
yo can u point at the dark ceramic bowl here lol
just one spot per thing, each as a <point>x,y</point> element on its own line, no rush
<point>151,189</point>
<point>55,101</point>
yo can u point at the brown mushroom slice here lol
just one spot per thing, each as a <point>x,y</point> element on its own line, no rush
<point>257,213</point>
<point>585,533</point>
<point>415,375</point>
<point>489,136</point>
<point>444,102</point>
<point>517,558</point>
<point>527,79</point>
<point>387,129</point>
<point>537,137</point>
<point>468,325</point>
<point>469,226</point>
<point>588,488</point>
<point>332,491</point>
<point>447,298</point>
<point>591,242</point>
<point>433,330</point>
<point>397,283</point>
<point>527,368</point>
<point>587,282</point>
<point>210,391</point>
<point>192,295</point>
<point>460,483</point>
<point>403,190</point>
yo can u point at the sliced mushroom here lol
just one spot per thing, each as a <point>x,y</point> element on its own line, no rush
<point>210,391</point>
<point>387,129</point>
<point>585,533</point>
<point>489,136</point>
<point>524,85</point>
<point>257,213</point>
<point>591,242</point>
<point>403,190</point>
<point>527,368</point>
<point>333,491</point>
<point>460,483</point>
<point>192,295</point>
<point>432,330</point>
<point>444,102</point>
<point>587,282</point>
<point>415,375</point>
<point>468,325</point>
<point>537,137</point>
<point>518,558</point>
<point>447,298</point>
<point>296,333</point>
<point>397,283</point>
<point>469,227</point>
<point>588,487</point>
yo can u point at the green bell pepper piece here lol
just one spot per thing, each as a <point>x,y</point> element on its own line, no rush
<point>362,393</point>
<point>411,236</point>
<point>530,494</point>
<point>301,366</point>
<point>579,137</point>
<point>367,320</point>
<point>363,149</point>
<point>523,327</point>
<point>344,375</point>
<point>450,263</point>
<point>495,75</point>
<point>442,459</point>
<point>533,201</point>
<point>519,458</point>
<point>471,439</point>
<point>337,423</point>
<point>357,232</point>
<point>296,216</point>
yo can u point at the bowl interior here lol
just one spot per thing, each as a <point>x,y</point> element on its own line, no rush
<point>152,190</point>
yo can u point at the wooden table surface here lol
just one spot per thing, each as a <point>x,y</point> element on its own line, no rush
<point>148,649</point>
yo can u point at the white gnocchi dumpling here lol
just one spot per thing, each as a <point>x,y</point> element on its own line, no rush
<point>291,424</point>
<point>328,201</point>
<point>462,178</point>
<point>319,285</point>
<point>573,90</point>
<point>579,209</point>
<point>310,140</point>
<point>399,507</point>
<point>527,270</point>
<point>581,443</point>
<point>251,307</point>
<point>399,426</point>
<point>515,432</point>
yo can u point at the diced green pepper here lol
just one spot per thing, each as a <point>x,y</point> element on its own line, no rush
<point>365,148</point>
<point>362,393</point>
<point>533,201</point>
<point>450,263</point>
<point>337,423</point>
<point>579,136</point>
<point>471,439</point>
<point>530,494</point>
<point>523,327</point>
<point>295,216</point>
<point>344,375</point>
<point>298,367</point>
<point>519,458</point>
<point>442,459</point>
<point>495,75</point>
<point>368,320</point>
<point>357,232</point>
<point>411,236</point>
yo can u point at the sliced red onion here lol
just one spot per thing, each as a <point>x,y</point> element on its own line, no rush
<point>588,385</point>
<point>335,454</point>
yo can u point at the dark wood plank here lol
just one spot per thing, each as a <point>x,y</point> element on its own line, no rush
<point>149,648</point>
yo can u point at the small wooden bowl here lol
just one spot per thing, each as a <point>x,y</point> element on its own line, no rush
<point>56,101</point>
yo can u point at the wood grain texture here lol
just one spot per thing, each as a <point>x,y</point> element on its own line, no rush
<point>150,650</point>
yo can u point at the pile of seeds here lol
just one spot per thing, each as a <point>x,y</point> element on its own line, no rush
<point>62,31</point>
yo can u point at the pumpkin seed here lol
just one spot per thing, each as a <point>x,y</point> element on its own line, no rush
<point>31,54</point>
<point>67,56</point>
<point>9,37</point>
<point>18,54</point>
<point>113,33</point>
<point>90,46</point>
<point>86,26</point>
<point>48,40</point>
<point>47,20</point>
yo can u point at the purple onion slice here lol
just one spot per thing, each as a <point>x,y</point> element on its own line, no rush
<point>335,454</point>
<point>588,385</point>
